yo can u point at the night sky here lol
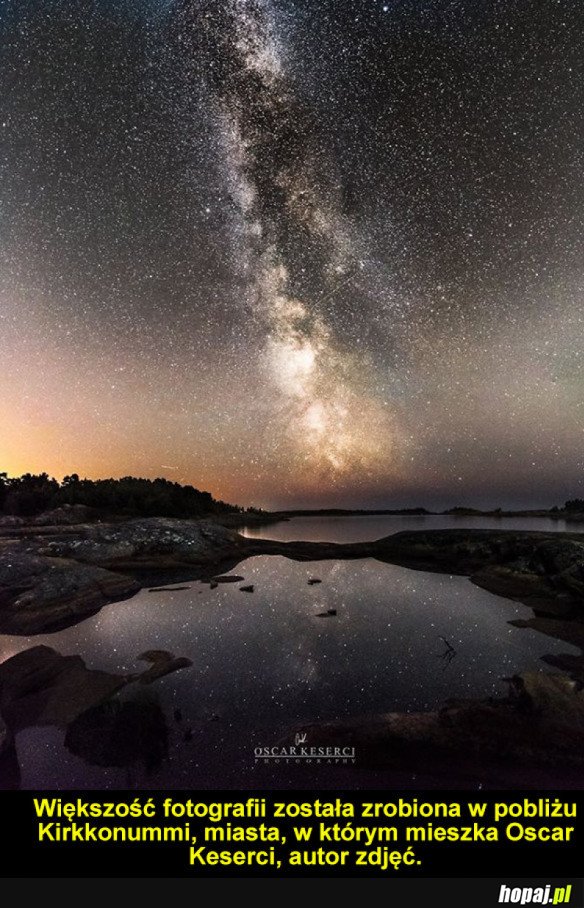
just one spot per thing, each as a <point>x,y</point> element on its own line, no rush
<point>295,253</point>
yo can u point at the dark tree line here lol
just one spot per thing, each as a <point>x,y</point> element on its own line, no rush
<point>30,495</point>
<point>575,506</point>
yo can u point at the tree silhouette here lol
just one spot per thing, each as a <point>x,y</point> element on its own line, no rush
<point>31,494</point>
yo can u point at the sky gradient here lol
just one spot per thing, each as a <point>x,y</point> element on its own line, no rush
<point>295,253</point>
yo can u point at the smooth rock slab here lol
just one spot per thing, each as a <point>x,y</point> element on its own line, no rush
<point>40,594</point>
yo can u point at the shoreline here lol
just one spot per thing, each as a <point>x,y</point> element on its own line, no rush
<point>268,517</point>
<point>54,577</point>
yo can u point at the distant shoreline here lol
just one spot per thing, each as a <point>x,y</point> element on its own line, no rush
<point>271,516</point>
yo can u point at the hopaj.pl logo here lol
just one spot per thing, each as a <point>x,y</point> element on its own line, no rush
<point>540,895</point>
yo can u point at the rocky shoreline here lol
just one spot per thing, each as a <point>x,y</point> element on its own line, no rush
<point>52,577</point>
<point>544,571</point>
<point>531,738</point>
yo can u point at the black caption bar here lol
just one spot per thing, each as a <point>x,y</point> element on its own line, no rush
<point>458,893</point>
<point>369,834</point>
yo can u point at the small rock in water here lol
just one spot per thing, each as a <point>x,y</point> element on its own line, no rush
<point>328,614</point>
<point>155,655</point>
<point>246,589</point>
<point>313,580</point>
<point>161,663</point>
<point>227,578</point>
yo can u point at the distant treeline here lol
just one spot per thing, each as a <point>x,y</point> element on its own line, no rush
<point>575,506</point>
<point>29,495</point>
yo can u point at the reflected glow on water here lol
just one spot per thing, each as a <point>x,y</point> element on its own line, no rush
<point>267,660</point>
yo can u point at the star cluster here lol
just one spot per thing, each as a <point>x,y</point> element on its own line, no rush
<point>296,253</point>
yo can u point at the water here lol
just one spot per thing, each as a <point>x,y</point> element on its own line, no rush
<point>266,661</point>
<point>365,528</point>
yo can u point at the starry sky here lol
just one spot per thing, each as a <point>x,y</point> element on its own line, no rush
<point>299,254</point>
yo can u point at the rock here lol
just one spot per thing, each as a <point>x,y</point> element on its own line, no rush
<point>524,586</point>
<point>227,578</point>
<point>146,541</point>
<point>9,768</point>
<point>123,734</point>
<point>161,663</point>
<point>10,522</point>
<point>40,594</point>
<point>155,655</point>
<point>40,687</point>
<point>313,580</point>
<point>67,515</point>
<point>552,700</point>
<point>161,669</point>
<point>544,570</point>
<point>537,732</point>
<point>247,589</point>
<point>330,612</point>
<point>53,577</point>
<point>5,736</point>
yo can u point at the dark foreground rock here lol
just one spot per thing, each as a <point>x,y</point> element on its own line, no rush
<point>40,687</point>
<point>121,733</point>
<point>543,570</point>
<point>538,729</point>
<point>9,768</point>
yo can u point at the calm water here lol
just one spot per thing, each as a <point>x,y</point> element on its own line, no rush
<point>365,528</point>
<point>266,661</point>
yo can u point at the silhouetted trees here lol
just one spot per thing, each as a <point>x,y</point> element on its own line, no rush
<point>29,495</point>
<point>575,505</point>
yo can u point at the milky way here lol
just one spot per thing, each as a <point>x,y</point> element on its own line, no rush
<point>296,253</point>
<point>296,247</point>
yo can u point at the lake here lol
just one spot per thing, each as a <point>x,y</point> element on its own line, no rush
<point>266,661</point>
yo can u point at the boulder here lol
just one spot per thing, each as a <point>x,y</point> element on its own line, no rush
<point>40,594</point>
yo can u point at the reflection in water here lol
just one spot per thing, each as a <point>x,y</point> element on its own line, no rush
<point>129,733</point>
<point>449,652</point>
<point>365,528</point>
<point>266,661</point>
<point>107,721</point>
